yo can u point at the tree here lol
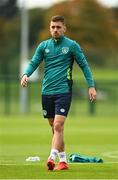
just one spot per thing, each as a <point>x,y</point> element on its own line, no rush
<point>8,35</point>
<point>8,8</point>
<point>90,24</point>
<point>36,24</point>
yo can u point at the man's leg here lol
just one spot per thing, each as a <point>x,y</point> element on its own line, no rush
<point>51,123</point>
<point>58,141</point>
<point>48,106</point>
<point>54,152</point>
<point>61,107</point>
<point>57,125</point>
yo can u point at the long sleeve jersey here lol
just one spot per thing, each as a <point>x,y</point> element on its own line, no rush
<point>59,56</point>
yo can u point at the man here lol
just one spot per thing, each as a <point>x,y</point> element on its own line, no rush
<point>59,53</point>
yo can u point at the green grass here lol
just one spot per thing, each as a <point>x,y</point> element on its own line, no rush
<point>106,83</point>
<point>24,136</point>
<point>98,73</point>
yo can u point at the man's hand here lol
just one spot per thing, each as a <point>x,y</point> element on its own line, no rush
<point>24,81</point>
<point>92,94</point>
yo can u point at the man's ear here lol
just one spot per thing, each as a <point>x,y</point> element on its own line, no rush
<point>64,28</point>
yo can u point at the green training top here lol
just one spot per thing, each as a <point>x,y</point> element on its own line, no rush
<point>59,56</point>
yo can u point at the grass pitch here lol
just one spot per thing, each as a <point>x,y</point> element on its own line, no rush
<point>24,136</point>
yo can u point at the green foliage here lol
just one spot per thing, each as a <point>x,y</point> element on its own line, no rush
<point>8,8</point>
<point>9,45</point>
<point>10,42</point>
<point>88,22</point>
<point>36,23</point>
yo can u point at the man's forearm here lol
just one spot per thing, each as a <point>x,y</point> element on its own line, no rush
<point>88,75</point>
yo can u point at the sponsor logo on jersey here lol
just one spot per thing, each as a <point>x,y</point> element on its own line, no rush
<point>47,50</point>
<point>65,50</point>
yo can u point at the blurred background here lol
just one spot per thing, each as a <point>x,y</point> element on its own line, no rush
<point>92,23</point>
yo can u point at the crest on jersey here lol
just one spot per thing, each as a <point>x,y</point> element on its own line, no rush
<point>65,50</point>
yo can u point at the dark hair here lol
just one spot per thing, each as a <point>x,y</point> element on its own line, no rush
<point>58,18</point>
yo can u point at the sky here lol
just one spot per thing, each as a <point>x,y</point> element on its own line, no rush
<point>48,3</point>
<point>109,2</point>
<point>38,3</point>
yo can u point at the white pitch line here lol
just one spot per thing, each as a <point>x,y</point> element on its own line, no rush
<point>61,179</point>
<point>94,163</point>
<point>111,154</point>
<point>9,164</point>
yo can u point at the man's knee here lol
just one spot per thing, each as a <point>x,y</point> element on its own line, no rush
<point>58,127</point>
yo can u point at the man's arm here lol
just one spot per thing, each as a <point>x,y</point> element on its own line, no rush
<point>32,66</point>
<point>83,64</point>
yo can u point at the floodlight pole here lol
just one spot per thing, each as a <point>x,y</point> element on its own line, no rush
<point>24,56</point>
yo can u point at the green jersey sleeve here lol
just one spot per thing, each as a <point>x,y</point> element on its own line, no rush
<point>83,64</point>
<point>35,61</point>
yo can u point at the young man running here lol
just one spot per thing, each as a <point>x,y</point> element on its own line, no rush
<point>59,54</point>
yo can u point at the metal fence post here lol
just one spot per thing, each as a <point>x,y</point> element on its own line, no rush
<point>7,96</point>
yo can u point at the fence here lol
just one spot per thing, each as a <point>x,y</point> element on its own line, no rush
<point>106,104</point>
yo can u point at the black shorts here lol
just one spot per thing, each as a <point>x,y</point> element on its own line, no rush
<point>56,105</point>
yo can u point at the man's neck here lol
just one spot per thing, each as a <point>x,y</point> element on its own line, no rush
<point>56,40</point>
